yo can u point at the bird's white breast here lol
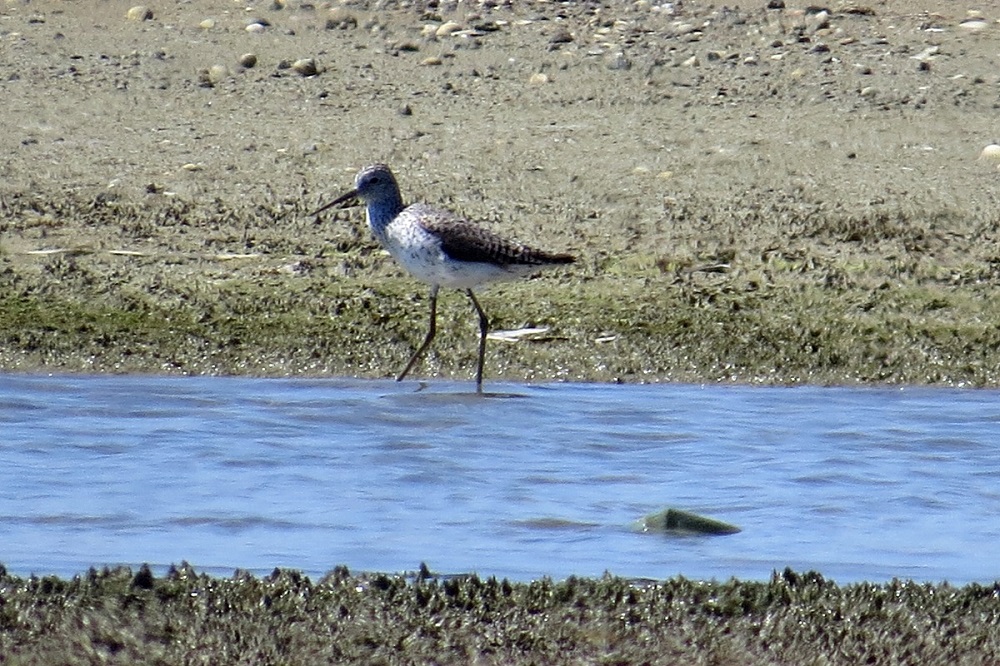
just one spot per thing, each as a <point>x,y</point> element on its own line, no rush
<point>419,251</point>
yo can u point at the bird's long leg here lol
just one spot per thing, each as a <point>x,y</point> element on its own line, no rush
<point>427,340</point>
<point>484,327</point>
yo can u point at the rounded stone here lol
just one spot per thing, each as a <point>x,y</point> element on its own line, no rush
<point>991,153</point>
<point>305,67</point>
<point>447,28</point>
<point>139,13</point>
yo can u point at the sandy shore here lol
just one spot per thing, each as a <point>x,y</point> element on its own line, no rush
<point>755,195</point>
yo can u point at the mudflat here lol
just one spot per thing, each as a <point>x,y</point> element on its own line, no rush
<point>756,192</point>
<point>120,617</point>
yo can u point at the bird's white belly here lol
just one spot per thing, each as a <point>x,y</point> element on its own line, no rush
<point>421,255</point>
<point>432,266</point>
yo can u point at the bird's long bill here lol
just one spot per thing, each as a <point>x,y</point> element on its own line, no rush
<point>343,201</point>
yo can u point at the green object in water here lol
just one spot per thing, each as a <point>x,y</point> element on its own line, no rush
<point>675,521</point>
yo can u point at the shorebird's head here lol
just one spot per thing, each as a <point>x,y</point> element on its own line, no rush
<point>373,183</point>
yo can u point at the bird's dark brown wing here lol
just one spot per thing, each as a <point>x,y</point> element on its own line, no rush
<point>463,241</point>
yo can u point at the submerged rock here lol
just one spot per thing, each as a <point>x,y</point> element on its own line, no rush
<point>675,521</point>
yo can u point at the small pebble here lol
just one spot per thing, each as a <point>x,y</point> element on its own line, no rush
<point>617,61</point>
<point>207,24</point>
<point>991,153</point>
<point>139,13</point>
<point>248,60</point>
<point>818,21</point>
<point>974,25</point>
<point>561,36</point>
<point>431,61</point>
<point>447,28</point>
<point>538,79</point>
<point>218,72</point>
<point>340,19</point>
<point>207,78</point>
<point>305,67</point>
<point>255,27</point>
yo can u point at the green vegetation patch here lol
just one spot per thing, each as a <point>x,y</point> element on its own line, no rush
<point>772,291</point>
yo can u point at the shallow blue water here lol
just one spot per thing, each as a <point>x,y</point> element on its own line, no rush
<point>542,480</point>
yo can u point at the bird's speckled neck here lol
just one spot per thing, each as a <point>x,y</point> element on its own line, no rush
<point>377,186</point>
<point>383,210</point>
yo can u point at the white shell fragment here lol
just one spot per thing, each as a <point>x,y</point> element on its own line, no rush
<point>520,334</point>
